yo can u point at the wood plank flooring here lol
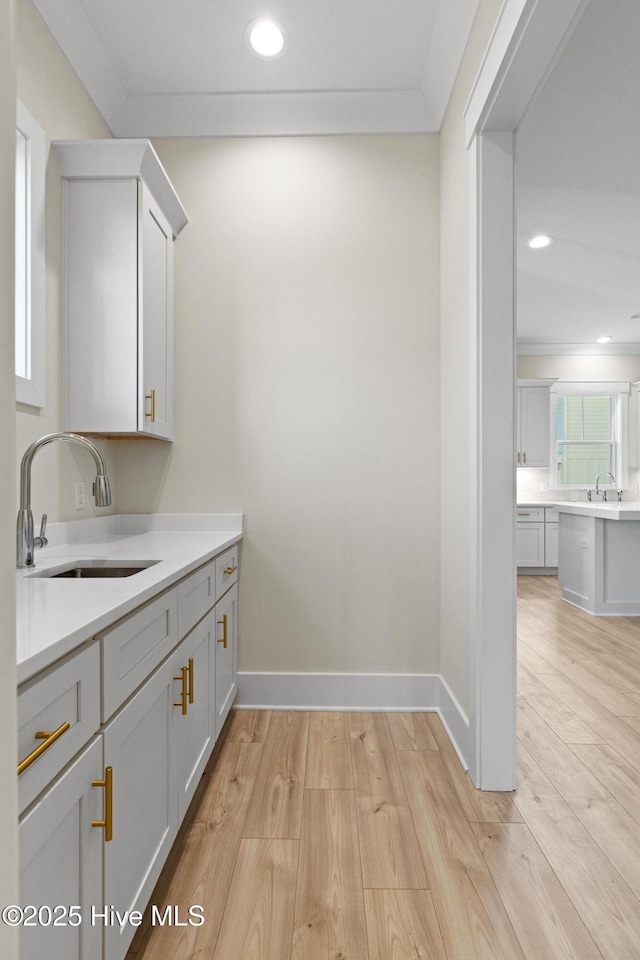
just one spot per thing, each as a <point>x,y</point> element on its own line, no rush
<point>329,836</point>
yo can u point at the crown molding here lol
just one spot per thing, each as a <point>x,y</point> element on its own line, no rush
<point>525,348</point>
<point>454,22</point>
<point>276,114</point>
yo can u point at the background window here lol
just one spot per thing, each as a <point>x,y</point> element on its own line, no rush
<point>589,430</point>
<point>585,439</point>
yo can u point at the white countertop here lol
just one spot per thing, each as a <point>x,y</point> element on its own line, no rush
<point>617,510</point>
<point>56,616</point>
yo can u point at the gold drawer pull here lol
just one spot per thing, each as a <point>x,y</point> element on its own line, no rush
<point>229,570</point>
<point>107,823</point>
<point>184,695</point>
<point>190,679</point>
<point>223,640</point>
<point>524,458</point>
<point>48,739</point>
<point>151,396</point>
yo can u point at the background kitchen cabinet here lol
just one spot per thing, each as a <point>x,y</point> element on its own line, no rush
<point>536,537</point>
<point>121,216</point>
<point>532,423</point>
<point>551,532</point>
<point>530,537</point>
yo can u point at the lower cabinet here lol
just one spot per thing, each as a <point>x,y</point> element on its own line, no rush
<point>551,537</point>
<point>537,537</point>
<point>140,748</point>
<point>61,865</point>
<point>98,837</point>
<point>226,613</point>
<point>194,714</point>
<point>530,544</point>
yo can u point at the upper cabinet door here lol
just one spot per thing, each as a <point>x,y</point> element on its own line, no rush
<point>121,218</point>
<point>155,319</point>
<point>534,426</point>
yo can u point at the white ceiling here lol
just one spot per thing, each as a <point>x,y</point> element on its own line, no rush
<point>167,68</point>
<point>578,180</point>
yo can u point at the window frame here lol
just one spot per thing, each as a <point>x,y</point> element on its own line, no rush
<point>30,390</point>
<point>619,393</point>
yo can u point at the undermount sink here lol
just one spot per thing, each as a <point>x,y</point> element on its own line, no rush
<point>93,569</point>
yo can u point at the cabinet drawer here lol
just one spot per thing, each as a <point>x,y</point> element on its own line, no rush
<point>530,514</point>
<point>226,571</point>
<point>135,646</point>
<point>67,693</point>
<point>551,515</point>
<point>196,596</point>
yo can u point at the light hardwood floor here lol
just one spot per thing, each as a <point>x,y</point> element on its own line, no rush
<point>328,836</point>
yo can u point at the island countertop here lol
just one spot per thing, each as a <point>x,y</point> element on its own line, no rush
<point>54,616</point>
<point>616,510</point>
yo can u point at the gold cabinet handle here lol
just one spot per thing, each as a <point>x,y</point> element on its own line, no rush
<point>151,396</point>
<point>107,823</point>
<point>184,696</point>
<point>190,678</point>
<point>524,458</point>
<point>519,460</point>
<point>48,739</point>
<point>223,639</point>
<point>229,570</point>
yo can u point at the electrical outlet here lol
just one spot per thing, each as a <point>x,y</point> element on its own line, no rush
<point>80,500</point>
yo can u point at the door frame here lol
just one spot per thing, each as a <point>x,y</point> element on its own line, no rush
<point>528,39</point>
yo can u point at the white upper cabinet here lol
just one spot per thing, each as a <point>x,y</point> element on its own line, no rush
<point>121,218</point>
<point>532,418</point>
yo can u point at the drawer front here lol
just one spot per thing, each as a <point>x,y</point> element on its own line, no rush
<point>66,694</point>
<point>226,571</point>
<point>196,596</point>
<point>551,515</point>
<point>135,647</point>
<point>530,514</point>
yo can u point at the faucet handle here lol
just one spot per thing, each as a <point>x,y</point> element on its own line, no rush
<point>41,541</point>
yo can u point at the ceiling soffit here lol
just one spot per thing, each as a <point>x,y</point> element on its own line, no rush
<point>363,87</point>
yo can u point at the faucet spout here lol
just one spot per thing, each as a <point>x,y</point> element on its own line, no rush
<point>24,530</point>
<point>604,473</point>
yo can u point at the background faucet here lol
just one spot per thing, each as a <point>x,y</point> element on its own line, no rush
<point>604,473</point>
<point>24,531</point>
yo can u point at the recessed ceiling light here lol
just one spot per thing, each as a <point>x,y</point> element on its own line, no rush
<point>540,241</point>
<point>604,339</point>
<point>266,38</point>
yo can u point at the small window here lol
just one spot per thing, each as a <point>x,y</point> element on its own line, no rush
<point>30,259</point>
<point>590,433</point>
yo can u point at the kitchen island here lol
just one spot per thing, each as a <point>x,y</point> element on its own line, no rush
<point>599,557</point>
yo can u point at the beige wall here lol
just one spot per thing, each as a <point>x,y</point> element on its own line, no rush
<point>52,93</point>
<point>456,399</point>
<point>308,391</point>
<point>8,757</point>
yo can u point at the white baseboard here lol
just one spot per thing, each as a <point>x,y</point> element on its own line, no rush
<point>357,691</point>
<point>455,722</point>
